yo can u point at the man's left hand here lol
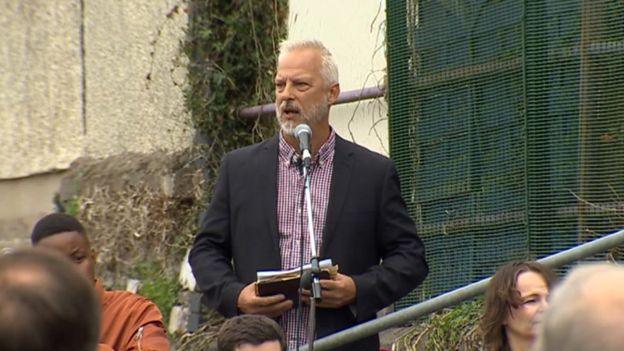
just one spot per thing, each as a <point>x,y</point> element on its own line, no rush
<point>335,293</point>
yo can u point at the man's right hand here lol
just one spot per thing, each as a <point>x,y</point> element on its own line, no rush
<point>270,306</point>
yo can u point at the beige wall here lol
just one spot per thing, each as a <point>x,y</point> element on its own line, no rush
<point>40,86</point>
<point>133,74</point>
<point>354,32</point>
<point>22,202</point>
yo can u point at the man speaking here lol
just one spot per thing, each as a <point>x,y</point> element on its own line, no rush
<point>257,219</point>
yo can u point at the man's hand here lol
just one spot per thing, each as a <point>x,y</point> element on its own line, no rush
<point>270,306</point>
<point>335,293</point>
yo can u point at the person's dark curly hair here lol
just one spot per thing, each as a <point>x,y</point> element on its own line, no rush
<point>501,295</point>
<point>249,329</point>
<point>55,223</point>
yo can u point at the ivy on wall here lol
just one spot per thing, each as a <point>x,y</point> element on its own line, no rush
<point>232,48</point>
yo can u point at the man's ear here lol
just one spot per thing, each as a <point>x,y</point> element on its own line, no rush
<point>93,255</point>
<point>334,92</point>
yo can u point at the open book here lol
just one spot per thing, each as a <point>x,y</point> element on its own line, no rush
<point>287,282</point>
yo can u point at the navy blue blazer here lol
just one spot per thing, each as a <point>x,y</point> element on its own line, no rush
<point>368,233</point>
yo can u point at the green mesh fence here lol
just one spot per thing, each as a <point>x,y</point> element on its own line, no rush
<point>507,128</point>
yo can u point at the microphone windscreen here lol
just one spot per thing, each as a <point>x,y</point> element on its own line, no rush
<point>303,129</point>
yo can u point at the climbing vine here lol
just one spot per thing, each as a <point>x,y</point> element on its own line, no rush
<point>232,48</point>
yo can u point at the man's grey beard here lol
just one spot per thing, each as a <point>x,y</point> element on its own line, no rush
<point>317,113</point>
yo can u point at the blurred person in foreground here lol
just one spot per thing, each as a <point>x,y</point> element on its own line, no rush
<point>250,333</point>
<point>129,321</point>
<point>45,304</point>
<point>586,311</point>
<point>256,220</point>
<point>514,302</point>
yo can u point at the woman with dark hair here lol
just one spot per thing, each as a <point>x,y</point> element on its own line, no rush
<point>514,302</point>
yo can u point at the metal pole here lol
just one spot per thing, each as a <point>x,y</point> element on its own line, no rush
<point>456,296</point>
<point>315,283</point>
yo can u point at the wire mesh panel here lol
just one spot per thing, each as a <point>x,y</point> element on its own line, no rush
<point>507,128</point>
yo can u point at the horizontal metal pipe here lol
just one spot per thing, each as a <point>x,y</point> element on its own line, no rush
<point>268,110</point>
<point>360,94</point>
<point>456,296</point>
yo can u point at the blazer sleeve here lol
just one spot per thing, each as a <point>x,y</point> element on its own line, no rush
<point>210,257</point>
<point>403,266</point>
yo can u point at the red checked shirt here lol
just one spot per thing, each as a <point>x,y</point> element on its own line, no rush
<point>290,215</point>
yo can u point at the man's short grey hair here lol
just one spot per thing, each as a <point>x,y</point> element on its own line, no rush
<point>586,311</point>
<point>329,70</point>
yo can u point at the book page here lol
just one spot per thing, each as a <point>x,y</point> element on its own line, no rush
<point>291,273</point>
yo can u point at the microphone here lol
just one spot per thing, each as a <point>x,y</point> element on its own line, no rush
<point>303,133</point>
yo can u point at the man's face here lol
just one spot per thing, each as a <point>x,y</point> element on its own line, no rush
<point>76,247</point>
<point>265,346</point>
<point>301,94</point>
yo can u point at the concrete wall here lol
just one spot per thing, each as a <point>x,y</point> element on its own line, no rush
<point>135,76</point>
<point>40,86</point>
<point>22,202</point>
<point>93,80</point>
<point>354,31</point>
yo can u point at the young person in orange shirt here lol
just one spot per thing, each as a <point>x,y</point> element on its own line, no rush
<point>129,321</point>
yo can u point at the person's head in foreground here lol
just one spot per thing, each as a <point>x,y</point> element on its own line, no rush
<point>250,333</point>
<point>64,233</point>
<point>586,311</point>
<point>514,301</point>
<point>45,304</point>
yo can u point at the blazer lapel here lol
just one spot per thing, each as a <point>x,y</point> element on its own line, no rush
<point>267,186</point>
<point>343,167</point>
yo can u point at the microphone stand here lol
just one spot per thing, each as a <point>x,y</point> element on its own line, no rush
<point>314,262</point>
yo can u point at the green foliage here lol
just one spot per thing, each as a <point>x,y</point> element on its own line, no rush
<point>232,48</point>
<point>72,207</point>
<point>450,329</point>
<point>160,288</point>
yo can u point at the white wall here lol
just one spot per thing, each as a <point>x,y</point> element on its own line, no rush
<point>354,31</point>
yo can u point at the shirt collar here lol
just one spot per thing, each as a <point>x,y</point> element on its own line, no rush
<point>287,153</point>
